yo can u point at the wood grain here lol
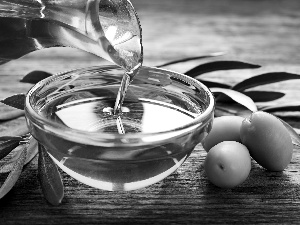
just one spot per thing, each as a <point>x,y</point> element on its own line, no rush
<point>260,32</point>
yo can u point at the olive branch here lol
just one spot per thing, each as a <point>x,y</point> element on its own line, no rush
<point>18,147</point>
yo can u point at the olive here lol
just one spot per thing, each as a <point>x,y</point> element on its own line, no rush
<point>268,141</point>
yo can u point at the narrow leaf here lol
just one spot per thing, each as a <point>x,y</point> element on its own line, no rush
<point>32,151</point>
<point>35,76</point>
<point>7,146</point>
<point>214,84</point>
<point>49,177</point>
<point>11,114</point>
<point>233,110</point>
<point>238,97</point>
<point>13,138</point>
<point>256,96</point>
<point>192,58</point>
<point>15,154</point>
<point>16,101</point>
<point>294,136</point>
<point>263,96</point>
<point>296,130</point>
<point>19,130</point>
<point>6,167</point>
<point>14,174</point>
<point>283,107</point>
<point>262,79</point>
<point>219,65</point>
<point>224,111</point>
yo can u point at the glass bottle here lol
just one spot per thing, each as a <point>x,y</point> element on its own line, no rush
<point>107,28</point>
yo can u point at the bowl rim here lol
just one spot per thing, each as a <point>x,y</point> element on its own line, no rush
<point>105,139</point>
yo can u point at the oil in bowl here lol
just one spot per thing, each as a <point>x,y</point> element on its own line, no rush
<point>163,117</point>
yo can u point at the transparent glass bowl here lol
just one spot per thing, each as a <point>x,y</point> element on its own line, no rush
<point>165,115</point>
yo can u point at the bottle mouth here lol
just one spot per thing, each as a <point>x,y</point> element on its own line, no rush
<point>122,33</point>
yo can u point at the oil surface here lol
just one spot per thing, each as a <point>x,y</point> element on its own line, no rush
<point>116,167</point>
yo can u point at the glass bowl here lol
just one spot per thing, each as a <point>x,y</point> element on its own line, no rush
<point>164,116</point>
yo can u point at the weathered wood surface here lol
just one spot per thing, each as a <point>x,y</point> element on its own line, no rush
<point>260,32</point>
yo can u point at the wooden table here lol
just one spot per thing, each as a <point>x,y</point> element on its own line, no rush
<point>261,32</point>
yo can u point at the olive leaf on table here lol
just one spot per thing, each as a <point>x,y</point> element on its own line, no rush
<point>219,65</point>
<point>11,114</point>
<point>35,76</point>
<point>17,151</point>
<point>294,135</point>
<point>14,173</point>
<point>49,178</point>
<point>19,130</point>
<point>192,58</point>
<point>32,151</point>
<point>7,146</point>
<point>238,97</point>
<point>17,101</point>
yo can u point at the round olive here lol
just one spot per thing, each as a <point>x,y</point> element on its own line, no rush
<point>227,164</point>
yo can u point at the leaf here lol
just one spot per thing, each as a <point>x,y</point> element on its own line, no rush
<point>192,58</point>
<point>13,138</point>
<point>16,101</point>
<point>219,65</point>
<point>256,96</point>
<point>294,136</point>
<point>19,130</point>
<point>224,111</point>
<point>262,79</point>
<point>14,174</point>
<point>49,177</point>
<point>7,146</point>
<point>7,165</point>
<point>232,110</point>
<point>214,84</point>
<point>238,97</point>
<point>32,151</point>
<point>283,107</point>
<point>35,76</point>
<point>11,114</point>
<point>263,96</point>
<point>297,130</point>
